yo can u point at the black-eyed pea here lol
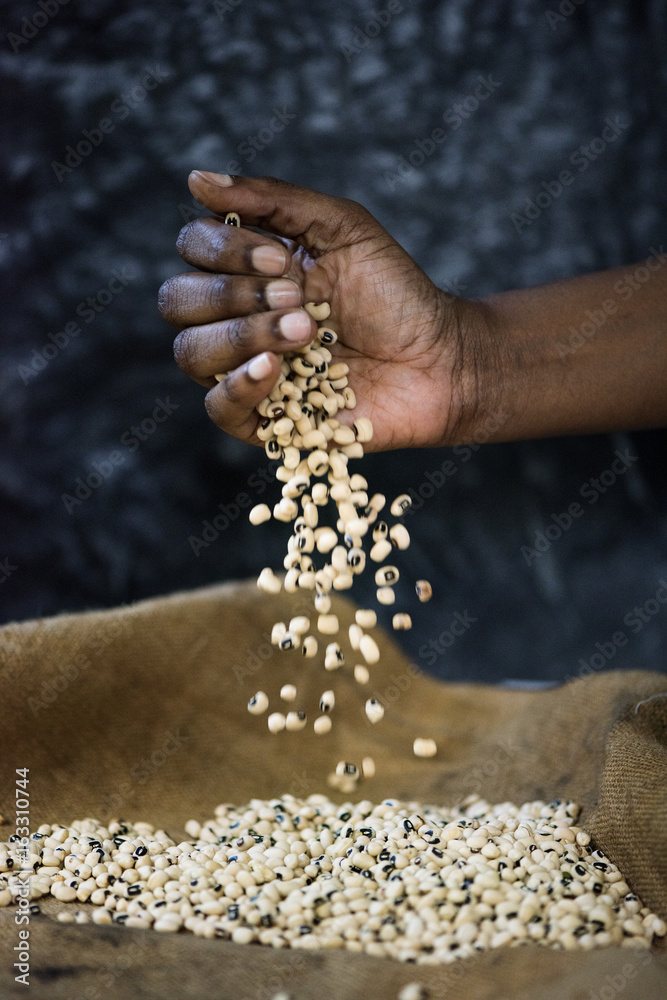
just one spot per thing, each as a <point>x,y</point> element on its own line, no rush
<point>295,721</point>
<point>320,493</point>
<point>276,722</point>
<point>330,407</point>
<point>325,539</point>
<point>401,622</point>
<point>306,540</point>
<point>296,486</point>
<point>318,462</point>
<point>326,336</point>
<point>356,559</point>
<point>366,618</point>
<point>368,767</point>
<point>361,674</point>
<point>322,603</point>
<point>425,747</point>
<point>291,457</point>
<point>265,429</point>
<point>363,429</point>
<point>402,503</point>
<point>385,595</point>
<point>318,310</point>
<point>289,641</point>
<point>273,449</point>
<point>380,550</point>
<point>258,704</point>
<point>327,624</point>
<point>268,581</point>
<point>309,647</point>
<point>374,710</point>
<point>387,576</point>
<point>327,701</point>
<point>278,633</point>
<point>369,649</point>
<point>323,582</point>
<point>339,558</point>
<point>380,531</point>
<point>260,512</point>
<point>399,536</point>
<point>424,590</point>
<point>275,409</point>
<point>343,436</point>
<point>355,633</point>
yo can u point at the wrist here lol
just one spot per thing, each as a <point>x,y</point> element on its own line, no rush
<point>479,352</point>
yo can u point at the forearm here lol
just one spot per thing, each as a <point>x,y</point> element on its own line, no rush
<point>584,355</point>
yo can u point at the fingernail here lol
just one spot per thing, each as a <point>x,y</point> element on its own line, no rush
<point>258,368</point>
<point>222,180</point>
<point>269,260</point>
<point>280,294</point>
<point>295,326</point>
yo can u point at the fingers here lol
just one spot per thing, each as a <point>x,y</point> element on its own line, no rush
<point>203,351</point>
<point>193,298</point>
<point>231,404</point>
<point>212,245</point>
<point>316,221</point>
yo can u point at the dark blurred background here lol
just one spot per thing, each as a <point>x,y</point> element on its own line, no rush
<point>107,106</point>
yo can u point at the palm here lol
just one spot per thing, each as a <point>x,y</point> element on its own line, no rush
<point>391,322</point>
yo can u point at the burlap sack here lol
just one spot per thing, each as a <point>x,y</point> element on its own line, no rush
<point>140,712</point>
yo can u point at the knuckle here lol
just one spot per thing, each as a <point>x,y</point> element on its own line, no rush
<point>237,334</point>
<point>215,290</point>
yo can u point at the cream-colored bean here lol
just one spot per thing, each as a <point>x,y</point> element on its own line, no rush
<point>318,310</point>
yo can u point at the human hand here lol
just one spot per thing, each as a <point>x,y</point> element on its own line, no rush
<point>406,342</point>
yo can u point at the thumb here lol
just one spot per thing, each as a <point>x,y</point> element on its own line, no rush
<point>317,222</point>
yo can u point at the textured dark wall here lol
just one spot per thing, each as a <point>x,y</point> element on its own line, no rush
<point>185,85</point>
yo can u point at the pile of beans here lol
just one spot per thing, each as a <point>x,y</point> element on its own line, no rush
<point>300,428</point>
<point>395,879</point>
